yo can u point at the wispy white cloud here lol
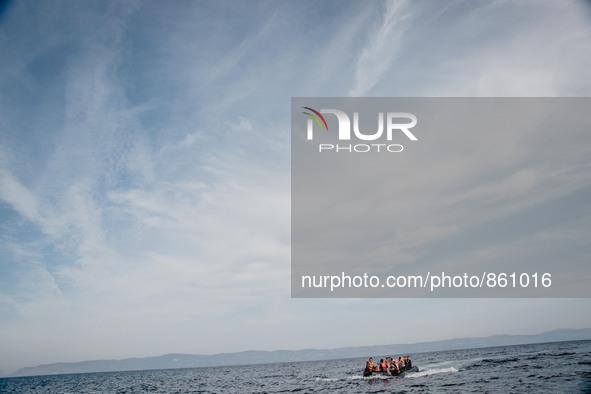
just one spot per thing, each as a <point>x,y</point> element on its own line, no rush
<point>376,58</point>
<point>545,58</point>
<point>19,197</point>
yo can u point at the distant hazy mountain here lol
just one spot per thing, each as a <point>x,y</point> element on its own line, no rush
<point>170,361</point>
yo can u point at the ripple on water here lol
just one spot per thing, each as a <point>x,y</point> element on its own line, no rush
<point>471,370</point>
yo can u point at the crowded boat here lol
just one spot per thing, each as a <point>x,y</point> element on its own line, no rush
<point>392,366</point>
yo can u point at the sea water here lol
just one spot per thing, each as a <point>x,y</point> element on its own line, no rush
<point>563,367</point>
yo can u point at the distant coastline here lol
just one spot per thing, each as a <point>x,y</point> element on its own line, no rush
<point>172,361</point>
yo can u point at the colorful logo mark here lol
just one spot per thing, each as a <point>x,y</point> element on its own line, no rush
<point>317,116</point>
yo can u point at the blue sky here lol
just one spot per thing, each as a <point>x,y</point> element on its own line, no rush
<point>145,164</point>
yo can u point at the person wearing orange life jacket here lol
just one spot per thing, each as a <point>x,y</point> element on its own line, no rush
<point>369,367</point>
<point>383,366</point>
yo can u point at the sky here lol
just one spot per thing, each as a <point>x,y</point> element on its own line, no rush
<point>145,165</point>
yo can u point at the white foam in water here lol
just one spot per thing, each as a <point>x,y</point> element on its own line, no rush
<point>354,377</point>
<point>359,377</point>
<point>378,376</point>
<point>372,377</point>
<point>327,379</point>
<point>428,372</point>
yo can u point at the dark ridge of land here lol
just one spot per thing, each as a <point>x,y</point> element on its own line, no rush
<point>171,361</point>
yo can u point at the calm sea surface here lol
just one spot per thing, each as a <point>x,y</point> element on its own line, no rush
<point>563,367</point>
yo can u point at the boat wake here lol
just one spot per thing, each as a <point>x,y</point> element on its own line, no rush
<point>355,377</point>
<point>428,372</point>
<point>328,379</point>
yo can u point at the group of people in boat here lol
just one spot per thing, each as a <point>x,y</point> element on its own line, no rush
<point>390,366</point>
